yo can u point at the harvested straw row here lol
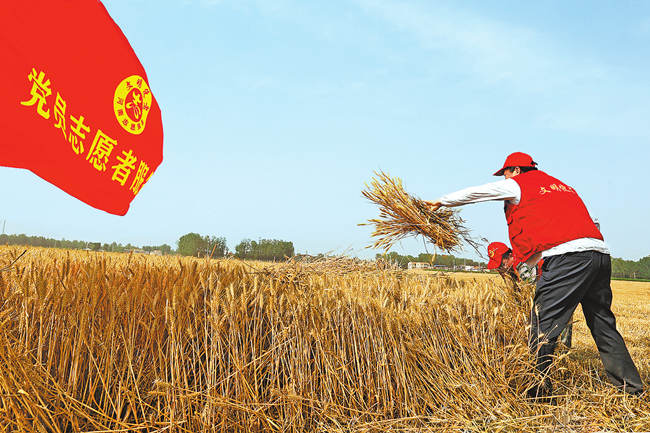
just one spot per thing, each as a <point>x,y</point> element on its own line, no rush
<point>339,264</point>
<point>402,215</point>
<point>297,271</point>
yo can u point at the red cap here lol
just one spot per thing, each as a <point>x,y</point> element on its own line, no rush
<point>496,250</point>
<point>517,159</point>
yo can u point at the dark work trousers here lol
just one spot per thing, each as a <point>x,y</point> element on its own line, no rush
<point>580,278</point>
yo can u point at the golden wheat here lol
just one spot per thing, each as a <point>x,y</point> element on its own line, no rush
<point>114,342</point>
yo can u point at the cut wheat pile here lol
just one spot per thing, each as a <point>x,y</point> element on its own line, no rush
<point>402,215</point>
<point>336,265</point>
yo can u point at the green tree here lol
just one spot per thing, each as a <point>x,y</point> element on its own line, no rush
<point>644,267</point>
<point>215,246</point>
<point>244,249</point>
<point>440,259</point>
<point>394,257</point>
<point>191,244</point>
<point>264,249</point>
<point>164,248</point>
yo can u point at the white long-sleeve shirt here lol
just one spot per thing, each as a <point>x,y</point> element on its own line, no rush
<point>509,190</point>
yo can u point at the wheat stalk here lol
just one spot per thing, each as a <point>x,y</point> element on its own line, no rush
<point>402,215</point>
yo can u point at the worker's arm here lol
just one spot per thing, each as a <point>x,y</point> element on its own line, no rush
<point>506,189</point>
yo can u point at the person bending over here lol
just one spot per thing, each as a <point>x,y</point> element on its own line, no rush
<point>547,219</point>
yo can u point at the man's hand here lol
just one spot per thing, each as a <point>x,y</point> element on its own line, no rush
<point>433,205</point>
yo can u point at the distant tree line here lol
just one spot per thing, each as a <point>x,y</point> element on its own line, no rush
<point>190,244</point>
<point>631,269</point>
<point>621,268</point>
<point>194,244</point>
<point>438,259</point>
<point>264,249</point>
<point>41,241</point>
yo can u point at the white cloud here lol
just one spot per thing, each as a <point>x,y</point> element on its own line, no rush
<point>569,90</point>
<point>495,51</point>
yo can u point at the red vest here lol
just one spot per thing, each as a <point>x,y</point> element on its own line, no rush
<point>549,213</point>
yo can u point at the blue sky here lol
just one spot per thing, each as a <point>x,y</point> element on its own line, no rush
<point>277,112</point>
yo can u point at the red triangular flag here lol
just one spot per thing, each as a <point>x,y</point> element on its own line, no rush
<point>75,103</point>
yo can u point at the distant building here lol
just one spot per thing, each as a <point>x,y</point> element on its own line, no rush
<point>418,265</point>
<point>156,253</point>
<point>468,268</point>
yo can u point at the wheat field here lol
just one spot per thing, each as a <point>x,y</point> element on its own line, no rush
<point>101,342</point>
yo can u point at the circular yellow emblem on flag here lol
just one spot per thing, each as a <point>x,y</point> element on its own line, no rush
<point>132,103</point>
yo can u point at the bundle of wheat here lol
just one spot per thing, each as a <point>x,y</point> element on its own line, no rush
<point>402,215</point>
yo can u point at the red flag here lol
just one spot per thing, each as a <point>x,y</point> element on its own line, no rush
<point>75,103</point>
